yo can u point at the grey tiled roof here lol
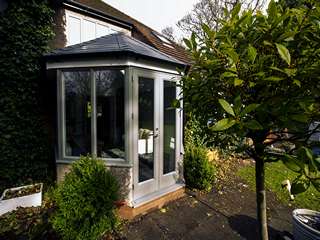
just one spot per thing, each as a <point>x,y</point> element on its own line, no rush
<point>114,43</point>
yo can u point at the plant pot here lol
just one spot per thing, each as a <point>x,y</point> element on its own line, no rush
<point>304,222</point>
<point>30,200</point>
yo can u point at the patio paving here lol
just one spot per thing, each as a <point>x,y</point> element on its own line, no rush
<point>229,213</point>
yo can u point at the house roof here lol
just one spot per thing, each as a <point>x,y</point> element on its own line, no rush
<point>140,31</point>
<point>115,43</point>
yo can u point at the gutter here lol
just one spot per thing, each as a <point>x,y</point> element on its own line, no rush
<point>91,11</point>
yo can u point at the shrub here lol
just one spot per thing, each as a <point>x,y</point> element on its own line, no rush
<point>85,201</point>
<point>194,133</point>
<point>199,173</point>
<point>26,29</point>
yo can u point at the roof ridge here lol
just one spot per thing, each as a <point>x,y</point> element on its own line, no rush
<point>112,43</point>
<point>148,46</point>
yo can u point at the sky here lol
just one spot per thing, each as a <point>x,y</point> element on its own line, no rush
<point>156,14</point>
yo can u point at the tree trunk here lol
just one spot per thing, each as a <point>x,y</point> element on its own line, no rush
<point>261,200</point>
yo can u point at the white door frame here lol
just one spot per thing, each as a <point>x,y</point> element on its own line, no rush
<point>170,178</point>
<point>160,181</point>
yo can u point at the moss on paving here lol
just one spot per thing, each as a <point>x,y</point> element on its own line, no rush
<point>275,174</point>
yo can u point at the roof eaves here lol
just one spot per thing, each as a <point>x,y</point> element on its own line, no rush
<point>92,11</point>
<point>123,53</point>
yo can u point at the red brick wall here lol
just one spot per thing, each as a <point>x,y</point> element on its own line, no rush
<point>60,39</point>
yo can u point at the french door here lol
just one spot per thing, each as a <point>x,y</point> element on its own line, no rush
<point>156,132</point>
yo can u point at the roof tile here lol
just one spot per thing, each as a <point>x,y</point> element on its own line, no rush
<point>117,42</point>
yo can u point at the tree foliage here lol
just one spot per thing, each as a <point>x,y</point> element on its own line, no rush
<point>25,29</point>
<point>257,75</point>
<point>168,32</point>
<point>211,12</point>
<point>257,78</point>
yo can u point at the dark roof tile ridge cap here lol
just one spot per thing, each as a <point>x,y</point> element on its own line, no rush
<point>116,35</point>
<point>153,48</point>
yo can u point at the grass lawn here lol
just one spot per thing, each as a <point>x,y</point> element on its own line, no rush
<point>275,174</point>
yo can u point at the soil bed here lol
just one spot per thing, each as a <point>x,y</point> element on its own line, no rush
<point>28,190</point>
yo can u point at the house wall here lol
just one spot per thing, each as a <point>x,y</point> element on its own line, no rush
<point>60,39</point>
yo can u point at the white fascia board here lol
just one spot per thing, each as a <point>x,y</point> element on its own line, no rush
<point>130,62</point>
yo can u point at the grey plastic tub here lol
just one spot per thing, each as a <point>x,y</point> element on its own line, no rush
<point>303,222</point>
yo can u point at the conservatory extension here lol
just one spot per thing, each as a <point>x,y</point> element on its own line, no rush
<point>115,99</point>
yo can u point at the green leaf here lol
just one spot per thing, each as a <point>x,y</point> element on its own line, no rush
<point>316,184</point>
<point>305,154</point>
<point>253,124</point>
<point>232,54</point>
<point>300,118</point>
<point>175,103</point>
<point>187,43</point>
<point>272,9</point>
<point>237,104</point>
<point>277,69</point>
<point>252,84</point>
<point>297,82</point>
<point>237,82</point>
<point>284,53</point>
<point>229,74</point>
<point>252,53</point>
<point>208,30</point>
<point>292,163</point>
<point>251,107</point>
<point>291,72</point>
<point>274,79</point>
<point>300,185</point>
<point>223,124</point>
<point>193,40</point>
<point>235,11</point>
<point>267,43</point>
<point>226,106</point>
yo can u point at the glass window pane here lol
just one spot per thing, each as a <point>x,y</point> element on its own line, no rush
<point>110,113</point>
<point>74,30</point>
<point>146,126</point>
<point>88,30</point>
<point>169,138</point>
<point>102,30</point>
<point>77,113</point>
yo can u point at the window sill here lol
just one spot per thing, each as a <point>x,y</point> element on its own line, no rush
<point>108,162</point>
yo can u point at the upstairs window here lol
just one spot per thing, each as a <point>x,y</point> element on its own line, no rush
<point>80,28</point>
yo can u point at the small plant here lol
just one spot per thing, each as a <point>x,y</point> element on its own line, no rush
<point>86,201</point>
<point>199,173</point>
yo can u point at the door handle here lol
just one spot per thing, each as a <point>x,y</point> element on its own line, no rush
<point>156,133</point>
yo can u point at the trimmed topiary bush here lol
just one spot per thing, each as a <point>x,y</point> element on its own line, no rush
<point>86,201</point>
<point>199,173</point>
